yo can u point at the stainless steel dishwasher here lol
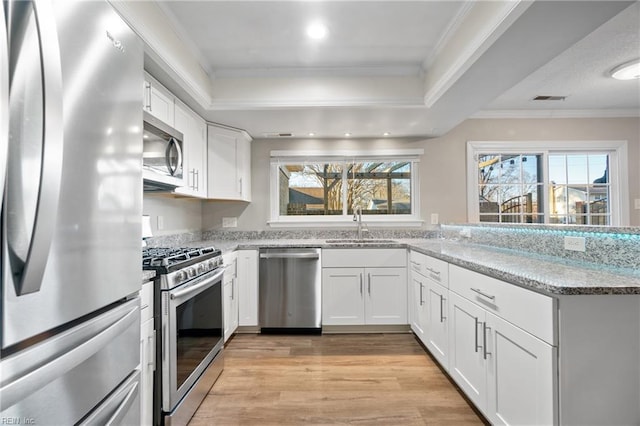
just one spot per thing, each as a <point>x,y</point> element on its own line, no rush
<point>290,290</point>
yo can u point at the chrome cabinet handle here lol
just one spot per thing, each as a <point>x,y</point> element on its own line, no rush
<point>484,338</point>
<point>196,174</point>
<point>369,283</point>
<point>361,283</point>
<point>421,301</point>
<point>433,271</point>
<point>481,293</point>
<point>476,334</point>
<point>442,317</point>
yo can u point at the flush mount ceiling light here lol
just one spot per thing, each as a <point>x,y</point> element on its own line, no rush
<point>347,134</point>
<point>627,71</point>
<point>317,31</point>
<point>386,134</point>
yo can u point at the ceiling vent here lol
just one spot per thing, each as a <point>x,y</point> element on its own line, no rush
<point>277,135</point>
<point>549,98</point>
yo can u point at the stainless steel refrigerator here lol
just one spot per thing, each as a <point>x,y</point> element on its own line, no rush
<point>70,157</point>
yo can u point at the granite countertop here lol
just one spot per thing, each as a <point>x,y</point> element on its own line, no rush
<point>540,273</point>
<point>148,275</point>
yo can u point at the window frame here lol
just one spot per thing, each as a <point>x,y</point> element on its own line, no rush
<point>618,173</point>
<point>278,158</point>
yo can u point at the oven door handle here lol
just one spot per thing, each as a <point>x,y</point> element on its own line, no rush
<point>197,287</point>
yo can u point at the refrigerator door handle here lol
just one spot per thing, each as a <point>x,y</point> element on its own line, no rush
<point>119,403</point>
<point>66,352</point>
<point>28,243</point>
<point>125,405</point>
<point>4,101</point>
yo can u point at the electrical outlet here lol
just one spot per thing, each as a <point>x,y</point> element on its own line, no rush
<point>465,233</point>
<point>160,223</point>
<point>434,218</point>
<point>229,222</point>
<point>574,243</point>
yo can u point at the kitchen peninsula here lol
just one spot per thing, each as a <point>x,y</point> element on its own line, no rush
<point>530,331</point>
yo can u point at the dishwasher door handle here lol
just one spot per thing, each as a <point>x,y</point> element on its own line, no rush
<point>289,256</point>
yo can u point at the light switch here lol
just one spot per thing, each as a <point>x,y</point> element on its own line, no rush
<point>160,223</point>
<point>229,222</point>
<point>574,243</point>
<point>434,218</point>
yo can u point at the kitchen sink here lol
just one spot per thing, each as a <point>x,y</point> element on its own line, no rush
<point>362,241</point>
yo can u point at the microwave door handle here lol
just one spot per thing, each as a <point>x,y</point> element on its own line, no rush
<point>27,262</point>
<point>173,168</point>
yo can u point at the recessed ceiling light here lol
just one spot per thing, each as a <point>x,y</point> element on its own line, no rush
<point>386,134</point>
<point>347,134</point>
<point>317,31</point>
<point>627,71</point>
<point>311,134</point>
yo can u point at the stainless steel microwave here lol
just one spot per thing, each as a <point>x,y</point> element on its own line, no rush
<point>162,155</point>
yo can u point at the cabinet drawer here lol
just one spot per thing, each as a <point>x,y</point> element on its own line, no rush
<point>533,312</point>
<point>146,301</point>
<point>430,267</point>
<point>364,258</point>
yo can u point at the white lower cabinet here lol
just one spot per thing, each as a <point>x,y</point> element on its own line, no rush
<point>359,296</point>
<point>521,379</point>
<point>437,330</point>
<point>507,372</point>
<point>230,294</point>
<point>247,287</point>
<point>418,305</point>
<point>147,353</point>
<point>355,291</point>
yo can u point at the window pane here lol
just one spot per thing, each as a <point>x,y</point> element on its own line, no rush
<point>598,168</point>
<point>379,187</point>
<point>577,169</point>
<point>557,169</point>
<point>509,185</point>
<point>311,189</point>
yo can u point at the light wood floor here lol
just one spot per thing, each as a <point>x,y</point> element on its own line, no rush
<point>378,379</point>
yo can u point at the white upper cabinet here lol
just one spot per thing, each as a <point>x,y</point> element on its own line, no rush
<point>229,157</point>
<point>158,101</point>
<point>194,130</point>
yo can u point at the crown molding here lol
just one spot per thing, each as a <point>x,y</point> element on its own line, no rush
<point>557,113</point>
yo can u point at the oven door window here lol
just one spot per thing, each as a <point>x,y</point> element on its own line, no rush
<point>198,329</point>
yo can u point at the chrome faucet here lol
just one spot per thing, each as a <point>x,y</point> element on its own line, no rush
<point>357,217</point>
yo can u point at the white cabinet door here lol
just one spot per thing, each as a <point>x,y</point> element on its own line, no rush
<point>386,296</point>
<point>343,296</point>
<point>437,322</point>
<point>159,102</point>
<point>147,366</point>
<point>229,168</point>
<point>230,294</point>
<point>521,371</point>
<point>418,302</point>
<point>248,287</point>
<point>467,364</point>
<point>244,167</point>
<point>193,128</point>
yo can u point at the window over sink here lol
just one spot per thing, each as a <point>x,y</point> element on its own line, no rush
<point>319,188</point>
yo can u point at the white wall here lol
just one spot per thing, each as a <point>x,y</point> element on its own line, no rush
<point>442,168</point>
<point>179,214</point>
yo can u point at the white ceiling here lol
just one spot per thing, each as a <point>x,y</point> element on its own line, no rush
<point>410,68</point>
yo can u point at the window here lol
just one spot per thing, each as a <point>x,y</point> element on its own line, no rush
<point>327,189</point>
<point>571,183</point>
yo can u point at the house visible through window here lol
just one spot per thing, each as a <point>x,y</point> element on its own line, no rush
<point>381,187</point>
<point>571,186</point>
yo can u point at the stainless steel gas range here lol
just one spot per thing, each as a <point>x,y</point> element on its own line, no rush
<point>189,328</point>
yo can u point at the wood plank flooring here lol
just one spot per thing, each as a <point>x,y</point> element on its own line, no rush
<point>338,379</point>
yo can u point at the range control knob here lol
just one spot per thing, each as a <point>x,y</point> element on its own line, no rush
<point>180,276</point>
<point>201,268</point>
<point>191,272</point>
<point>211,264</point>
